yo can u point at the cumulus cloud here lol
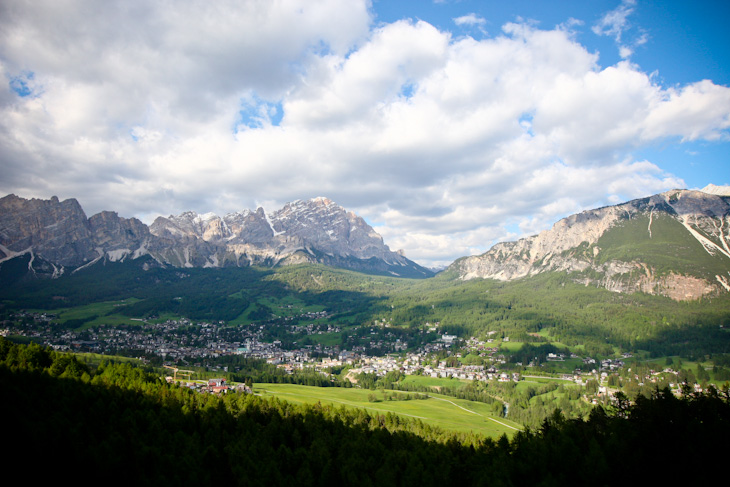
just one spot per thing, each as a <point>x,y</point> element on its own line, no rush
<point>445,144</point>
<point>696,111</point>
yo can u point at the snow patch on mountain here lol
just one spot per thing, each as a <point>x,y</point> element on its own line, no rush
<point>271,225</point>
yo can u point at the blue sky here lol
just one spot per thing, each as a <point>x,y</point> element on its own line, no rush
<point>685,41</point>
<point>448,125</point>
<point>681,42</point>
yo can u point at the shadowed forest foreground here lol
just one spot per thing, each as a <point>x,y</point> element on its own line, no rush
<point>120,424</point>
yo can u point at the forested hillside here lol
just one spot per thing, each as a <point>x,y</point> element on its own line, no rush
<point>124,425</point>
<point>553,308</point>
<point>547,308</point>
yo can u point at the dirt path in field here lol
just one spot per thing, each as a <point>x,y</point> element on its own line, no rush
<point>473,412</point>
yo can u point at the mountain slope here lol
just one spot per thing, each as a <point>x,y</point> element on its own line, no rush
<point>316,230</point>
<point>673,244</point>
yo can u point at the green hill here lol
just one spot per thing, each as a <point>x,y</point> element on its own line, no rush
<point>550,307</point>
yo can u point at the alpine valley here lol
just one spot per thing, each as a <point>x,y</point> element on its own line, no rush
<point>650,275</point>
<point>627,301</point>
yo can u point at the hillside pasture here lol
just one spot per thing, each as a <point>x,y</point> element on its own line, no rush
<point>445,412</point>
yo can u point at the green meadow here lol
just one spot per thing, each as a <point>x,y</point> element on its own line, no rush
<point>444,412</point>
<point>85,316</point>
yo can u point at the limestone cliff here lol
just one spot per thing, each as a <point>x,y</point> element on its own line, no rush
<point>673,244</point>
<point>316,230</point>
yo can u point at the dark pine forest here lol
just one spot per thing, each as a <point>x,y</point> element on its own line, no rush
<point>123,425</point>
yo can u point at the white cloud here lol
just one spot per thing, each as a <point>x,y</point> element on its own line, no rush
<point>448,144</point>
<point>625,52</point>
<point>697,111</point>
<point>471,19</point>
<point>614,23</point>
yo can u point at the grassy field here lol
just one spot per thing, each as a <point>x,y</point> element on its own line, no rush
<point>94,314</point>
<point>510,346</point>
<point>285,306</point>
<point>535,379</point>
<point>445,412</point>
<point>326,339</point>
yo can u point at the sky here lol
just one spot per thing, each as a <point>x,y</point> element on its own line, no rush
<point>448,125</point>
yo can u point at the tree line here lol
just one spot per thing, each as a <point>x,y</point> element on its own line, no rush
<point>123,424</point>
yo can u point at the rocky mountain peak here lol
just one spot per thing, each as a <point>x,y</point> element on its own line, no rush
<point>315,230</point>
<point>321,200</point>
<point>58,229</point>
<point>674,243</point>
<point>716,190</point>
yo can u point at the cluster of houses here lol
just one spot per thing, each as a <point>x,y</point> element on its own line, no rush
<point>213,386</point>
<point>171,340</point>
<point>416,364</point>
<point>176,339</point>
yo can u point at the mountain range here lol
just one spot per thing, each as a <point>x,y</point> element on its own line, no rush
<point>60,236</point>
<point>674,244</point>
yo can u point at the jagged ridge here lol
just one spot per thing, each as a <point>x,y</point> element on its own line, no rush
<point>315,230</point>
